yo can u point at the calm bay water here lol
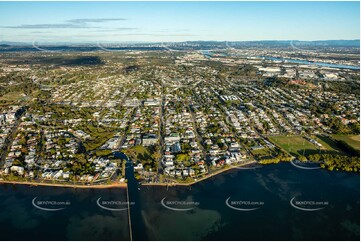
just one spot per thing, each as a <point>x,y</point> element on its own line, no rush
<point>196,213</point>
<point>276,219</point>
<point>81,219</point>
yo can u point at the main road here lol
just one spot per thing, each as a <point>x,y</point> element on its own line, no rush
<point>10,138</point>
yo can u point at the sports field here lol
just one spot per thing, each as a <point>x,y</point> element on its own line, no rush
<point>352,140</point>
<point>294,144</point>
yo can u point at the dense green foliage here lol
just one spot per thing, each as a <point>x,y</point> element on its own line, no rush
<point>338,162</point>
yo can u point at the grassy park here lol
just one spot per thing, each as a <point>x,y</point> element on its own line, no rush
<point>295,145</point>
<point>351,140</point>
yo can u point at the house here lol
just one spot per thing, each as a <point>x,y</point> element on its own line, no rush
<point>178,172</point>
<point>151,102</point>
<point>191,172</point>
<point>18,169</point>
<point>220,162</point>
<point>168,169</point>
<point>189,134</point>
<point>208,142</point>
<point>149,139</point>
<point>168,160</point>
<point>257,147</point>
<point>66,175</point>
<point>173,137</point>
<point>131,102</point>
<point>139,167</point>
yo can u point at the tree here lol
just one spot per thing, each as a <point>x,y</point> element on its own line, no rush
<point>302,158</point>
<point>182,157</point>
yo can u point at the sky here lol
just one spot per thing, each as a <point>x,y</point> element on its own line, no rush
<point>177,21</point>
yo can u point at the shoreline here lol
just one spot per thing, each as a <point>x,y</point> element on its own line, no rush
<point>125,185</point>
<point>202,178</point>
<point>35,184</point>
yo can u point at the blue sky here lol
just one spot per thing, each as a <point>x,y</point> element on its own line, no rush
<point>177,21</point>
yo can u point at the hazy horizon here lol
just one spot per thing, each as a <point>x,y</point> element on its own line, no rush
<point>185,41</point>
<point>81,22</point>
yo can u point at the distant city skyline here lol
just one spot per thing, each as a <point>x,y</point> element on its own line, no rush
<point>177,21</point>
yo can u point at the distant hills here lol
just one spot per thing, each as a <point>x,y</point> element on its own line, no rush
<point>7,46</point>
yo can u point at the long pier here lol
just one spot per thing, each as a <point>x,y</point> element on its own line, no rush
<point>129,219</point>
